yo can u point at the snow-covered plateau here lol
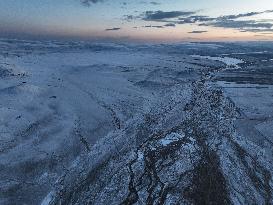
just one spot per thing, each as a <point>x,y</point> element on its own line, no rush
<point>106,123</point>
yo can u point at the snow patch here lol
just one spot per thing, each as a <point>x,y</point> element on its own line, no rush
<point>47,199</point>
<point>230,62</point>
<point>140,156</point>
<point>170,138</point>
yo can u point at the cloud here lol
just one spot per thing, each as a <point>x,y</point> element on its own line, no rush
<point>156,26</point>
<point>237,24</point>
<point>154,3</point>
<point>169,25</point>
<point>161,15</point>
<point>171,18</point>
<point>194,19</point>
<point>197,32</point>
<point>89,2</point>
<point>113,29</point>
<point>150,26</point>
<point>128,17</point>
<point>259,30</point>
<point>249,14</point>
<point>150,2</point>
<point>230,17</point>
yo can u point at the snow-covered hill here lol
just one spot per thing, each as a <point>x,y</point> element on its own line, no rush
<point>92,123</point>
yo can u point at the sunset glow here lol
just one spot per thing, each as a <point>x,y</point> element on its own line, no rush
<point>138,20</point>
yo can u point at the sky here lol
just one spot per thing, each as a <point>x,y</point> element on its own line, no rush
<point>138,20</point>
